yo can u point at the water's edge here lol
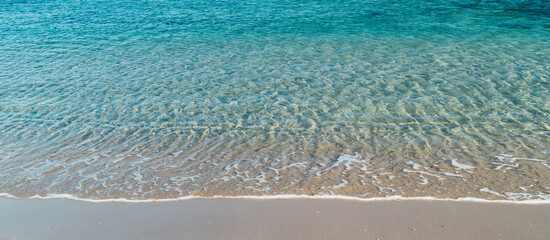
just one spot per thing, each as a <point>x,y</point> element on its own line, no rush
<point>274,197</point>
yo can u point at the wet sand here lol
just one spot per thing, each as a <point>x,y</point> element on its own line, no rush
<point>272,219</point>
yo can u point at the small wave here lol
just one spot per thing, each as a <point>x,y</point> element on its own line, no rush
<point>277,197</point>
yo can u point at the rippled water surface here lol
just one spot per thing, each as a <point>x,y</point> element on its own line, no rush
<point>162,99</point>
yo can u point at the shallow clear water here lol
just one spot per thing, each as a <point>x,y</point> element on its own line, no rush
<point>163,99</point>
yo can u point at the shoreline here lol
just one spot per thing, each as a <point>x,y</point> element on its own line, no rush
<point>272,219</point>
<point>275,197</point>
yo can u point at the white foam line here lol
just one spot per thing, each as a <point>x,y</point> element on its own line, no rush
<point>423,172</point>
<point>274,197</point>
<point>460,166</point>
<point>491,192</point>
<point>414,165</point>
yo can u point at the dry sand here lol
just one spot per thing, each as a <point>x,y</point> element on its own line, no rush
<point>272,219</point>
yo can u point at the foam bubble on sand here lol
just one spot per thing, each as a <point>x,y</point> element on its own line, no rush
<point>261,178</point>
<point>347,160</point>
<point>460,166</point>
<point>414,165</point>
<point>296,165</point>
<point>505,161</point>
<point>487,190</point>
<point>451,174</point>
<point>524,196</point>
<point>344,183</point>
<point>422,173</point>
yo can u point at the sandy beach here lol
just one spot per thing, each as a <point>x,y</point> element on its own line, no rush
<point>272,219</point>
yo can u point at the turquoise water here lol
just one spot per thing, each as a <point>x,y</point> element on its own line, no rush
<point>162,99</point>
